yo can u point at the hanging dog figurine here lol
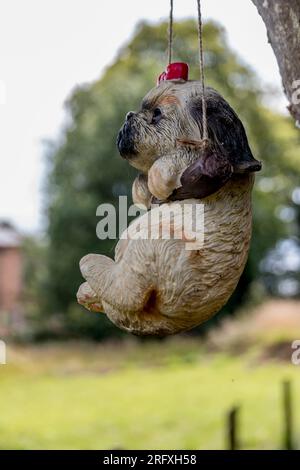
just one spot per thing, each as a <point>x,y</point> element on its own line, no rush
<point>194,158</point>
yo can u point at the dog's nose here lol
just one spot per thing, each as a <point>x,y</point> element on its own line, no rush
<point>129,115</point>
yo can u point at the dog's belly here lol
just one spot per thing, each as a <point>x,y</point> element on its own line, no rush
<point>183,287</point>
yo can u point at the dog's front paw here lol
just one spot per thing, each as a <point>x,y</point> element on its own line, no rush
<point>162,180</point>
<point>141,195</point>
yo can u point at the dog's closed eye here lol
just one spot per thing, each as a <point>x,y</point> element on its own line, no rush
<point>157,115</point>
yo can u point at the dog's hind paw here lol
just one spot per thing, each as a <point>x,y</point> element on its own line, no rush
<point>88,298</point>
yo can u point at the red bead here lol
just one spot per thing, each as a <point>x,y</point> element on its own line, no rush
<point>175,71</point>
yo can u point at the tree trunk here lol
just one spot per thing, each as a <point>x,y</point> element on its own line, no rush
<point>282,20</point>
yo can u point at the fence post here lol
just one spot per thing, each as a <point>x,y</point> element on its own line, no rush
<point>232,428</point>
<point>288,416</point>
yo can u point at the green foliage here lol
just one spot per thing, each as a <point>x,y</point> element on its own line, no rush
<point>85,169</point>
<point>167,395</point>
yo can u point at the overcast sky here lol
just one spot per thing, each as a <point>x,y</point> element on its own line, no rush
<point>47,47</point>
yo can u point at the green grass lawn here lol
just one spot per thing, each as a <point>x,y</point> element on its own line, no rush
<point>158,395</point>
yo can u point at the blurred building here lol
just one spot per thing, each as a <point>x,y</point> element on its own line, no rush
<point>10,278</point>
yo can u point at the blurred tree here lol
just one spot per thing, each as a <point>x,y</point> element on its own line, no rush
<point>282,21</point>
<point>34,277</point>
<point>85,169</point>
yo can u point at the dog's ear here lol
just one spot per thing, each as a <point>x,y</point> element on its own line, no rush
<point>226,152</point>
<point>226,132</point>
<point>205,176</point>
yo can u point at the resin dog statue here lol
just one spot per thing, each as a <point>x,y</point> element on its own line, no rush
<point>158,286</point>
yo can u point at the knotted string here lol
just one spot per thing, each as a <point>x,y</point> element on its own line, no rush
<point>201,62</point>
<point>170,45</point>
